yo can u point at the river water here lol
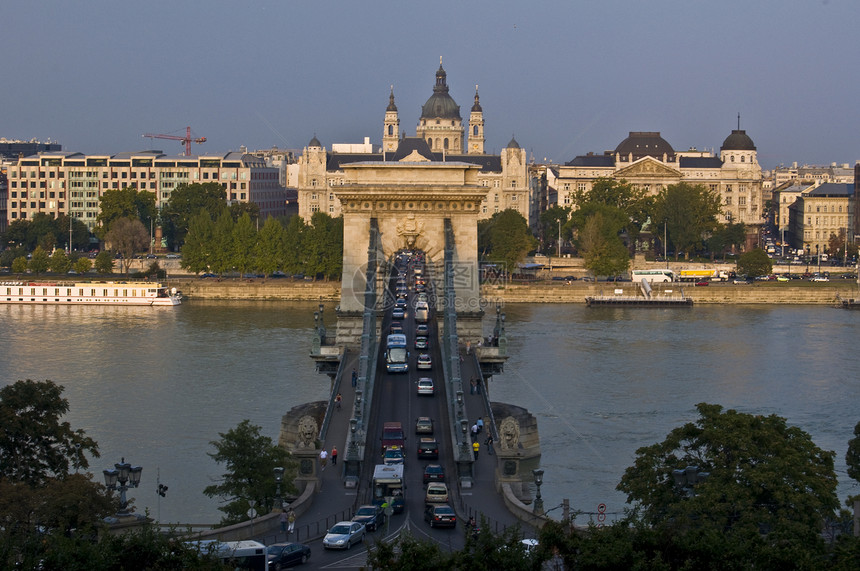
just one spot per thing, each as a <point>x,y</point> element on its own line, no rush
<point>157,385</point>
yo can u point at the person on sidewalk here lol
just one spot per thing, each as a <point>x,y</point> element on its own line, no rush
<point>333,455</point>
<point>475,431</point>
<point>476,447</point>
<point>337,400</point>
<point>480,423</point>
<point>323,458</point>
<point>354,378</point>
<point>291,519</point>
<point>283,519</point>
<point>473,384</point>
<point>489,443</point>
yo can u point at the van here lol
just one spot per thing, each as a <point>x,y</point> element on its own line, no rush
<point>392,435</point>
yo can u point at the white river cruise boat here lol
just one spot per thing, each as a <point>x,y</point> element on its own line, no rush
<point>88,293</point>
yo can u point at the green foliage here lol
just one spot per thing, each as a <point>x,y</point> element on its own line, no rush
<point>34,444</point>
<point>551,220</point>
<point>104,262</point>
<point>726,236</point>
<point>852,456</point>
<point>603,250</point>
<point>127,236</point>
<point>186,201</point>
<point>125,203</point>
<point>322,245</point>
<point>19,265</point>
<point>690,212</point>
<point>196,252</point>
<point>506,238</point>
<point>249,459</point>
<point>221,248</point>
<point>40,261</point>
<point>243,244</point>
<point>60,263</point>
<point>43,229</point>
<point>755,263</point>
<point>239,209</point>
<point>82,265</point>
<point>765,478</point>
<point>271,247</point>
<point>634,202</point>
<point>488,551</point>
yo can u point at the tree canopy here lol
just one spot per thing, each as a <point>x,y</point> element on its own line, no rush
<point>46,231</point>
<point>755,263</point>
<point>634,202</point>
<point>599,238</point>
<point>126,202</point>
<point>249,459</point>
<point>768,484</point>
<point>186,201</point>
<point>506,238</point>
<point>690,212</point>
<point>127,236</point>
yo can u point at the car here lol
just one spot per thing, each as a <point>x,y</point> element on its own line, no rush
<point>371,516</point>
<point>278,275</point>
<point>401,303</point>
<point>173,256</point>
<point>587,278</point>
<point>428,448</point>
<point>740,281</point>
<point>434,473</point>
<point>396,327</point>
<point>422,297</point>
<point>392,455</point>
<point>424,362</point>
<point>423,425</point>
<point>436,493</point>
<point>283,555</point>
<point>421,342</point>
<point>425,386</point>
<point>703,283</point>
<point>782,278</point>
<point>209,275</point>
<point>151,256</point>
<point>344,534</point>
<point>398,313</point>
<point>819,279</point>
<point>440,515</point>
<point>422,329</point>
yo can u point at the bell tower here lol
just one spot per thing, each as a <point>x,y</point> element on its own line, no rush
<point>476,127</point>
<point>391,128</point>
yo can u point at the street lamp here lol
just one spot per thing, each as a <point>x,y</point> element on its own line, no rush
<point>279,477</point>
<point>818,257</point>
<point>123,477</point>
<point>538,505</point>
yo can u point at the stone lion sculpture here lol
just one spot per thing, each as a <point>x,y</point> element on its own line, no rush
<point>509,431</point>
<point>308,430</point>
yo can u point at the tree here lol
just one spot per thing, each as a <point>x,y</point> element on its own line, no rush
<point>238,209</point>
<point>221,247</point>
<point>60,263</point>
<point>270,248</point>
<point>294,236</point>
<point>126,202</point>
<point>852,456</point>
<point>726,236</point>
<point>39,262</point>
<point>186,201</point>
<point>80,233</point>
<point>599,240</point>
<point>19,265</point>
<point>768,482</point>
<point>633,201</point>
<point>82,265</point>
<point>104,262</point>
<point>552,221</point>
<point>508,238</point>
<point>249,459</point>
<point>127,236</point>
<point>34,444</point>
<point>243,244</point>
<point>755,263</point>
<point>197,250</point>
<point>690,212</point>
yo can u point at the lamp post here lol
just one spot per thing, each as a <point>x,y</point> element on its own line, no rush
<point>279,477</point>
<point>538,505</point>
<point>121,478</point>
<point>818,258</point>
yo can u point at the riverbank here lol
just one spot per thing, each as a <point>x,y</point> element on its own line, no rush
<point>780,293</point>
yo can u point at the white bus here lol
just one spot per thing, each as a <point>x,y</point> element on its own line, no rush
<point>656,275</point>
<point>244,555</point>
<point>396,354</point>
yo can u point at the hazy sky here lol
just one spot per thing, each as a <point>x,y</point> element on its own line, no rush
<point>564,77</point>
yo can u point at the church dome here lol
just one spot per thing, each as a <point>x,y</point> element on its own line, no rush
<point>738,141</point>
<point>391,105</point>
<point>315,142</point>
<point>513,144</point>
<point>645,144</point>
<point>440,105</point>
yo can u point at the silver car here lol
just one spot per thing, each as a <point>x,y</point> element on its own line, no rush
<point>344,534</point>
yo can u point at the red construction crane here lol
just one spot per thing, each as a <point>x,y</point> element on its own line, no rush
<point>186,140</point>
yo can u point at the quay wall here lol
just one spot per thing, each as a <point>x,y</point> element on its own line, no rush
<point>804,293</point>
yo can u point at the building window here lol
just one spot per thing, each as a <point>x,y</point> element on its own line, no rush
<point>742,158</point>
<point>728,201</point>
<point>742,200</point>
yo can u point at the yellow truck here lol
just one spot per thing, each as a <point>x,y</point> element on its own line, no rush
<point>701,275</point>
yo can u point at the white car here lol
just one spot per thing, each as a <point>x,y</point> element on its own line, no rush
<point>424,362</point>
<point>820,279</point>
<point>425,386</point>
<point>344,534</point>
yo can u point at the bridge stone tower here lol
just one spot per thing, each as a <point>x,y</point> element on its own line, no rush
<point>410,197</point>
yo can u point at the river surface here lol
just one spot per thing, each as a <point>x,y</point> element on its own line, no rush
<point>157,385</point>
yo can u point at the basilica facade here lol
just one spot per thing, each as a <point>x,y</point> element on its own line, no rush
<point>441,138</point>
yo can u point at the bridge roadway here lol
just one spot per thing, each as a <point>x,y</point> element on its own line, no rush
<point>396,399</point>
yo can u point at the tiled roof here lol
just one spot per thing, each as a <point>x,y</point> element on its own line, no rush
<point>834,189</point>
<point>700,162</point>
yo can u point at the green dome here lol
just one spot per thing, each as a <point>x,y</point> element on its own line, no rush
<point>440,105</point>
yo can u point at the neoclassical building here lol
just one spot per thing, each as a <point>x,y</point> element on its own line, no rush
<point>445,139</point>
<point>648,161</point>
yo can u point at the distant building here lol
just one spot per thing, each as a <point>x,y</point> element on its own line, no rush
<point>445,140</point>
<point>822,212</point>
<point>71,183</point>
<point>12,149</point>
<point>4,194</point>
<point>648,161</point>
<point>811,174</point>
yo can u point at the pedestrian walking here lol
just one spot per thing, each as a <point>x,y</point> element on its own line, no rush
<point>354,378</point>
<point>291,519</point>
<point>468,347</point>
<point>475,431</point>
<point>489,443</point>
<point>323,458</point>
<point>333,455</point>
<point>476,447</point>
<point>337,400</point>
<point>480,423</point>
<point>283,520</point>
<point>473,385</point>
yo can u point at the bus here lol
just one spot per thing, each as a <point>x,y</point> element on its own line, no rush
<point>396,355</point>
<point>241,555</point>
<point>388,486</point>
<point>656,275</point>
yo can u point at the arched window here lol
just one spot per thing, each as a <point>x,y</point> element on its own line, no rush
<point>390,130</point>
<point>733,158</point>
<point>743,159</point>
<point>475,130</point>
<point>446,142</point>
<point>429,142</point>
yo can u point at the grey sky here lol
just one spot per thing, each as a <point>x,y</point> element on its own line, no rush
<point>564,77</point>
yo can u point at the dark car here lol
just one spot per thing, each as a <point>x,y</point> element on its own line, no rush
<point>371,516</point>
<point>428,448</point>
<point>434,473</point>
<point>283,555</point>
<point>440,515</point>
